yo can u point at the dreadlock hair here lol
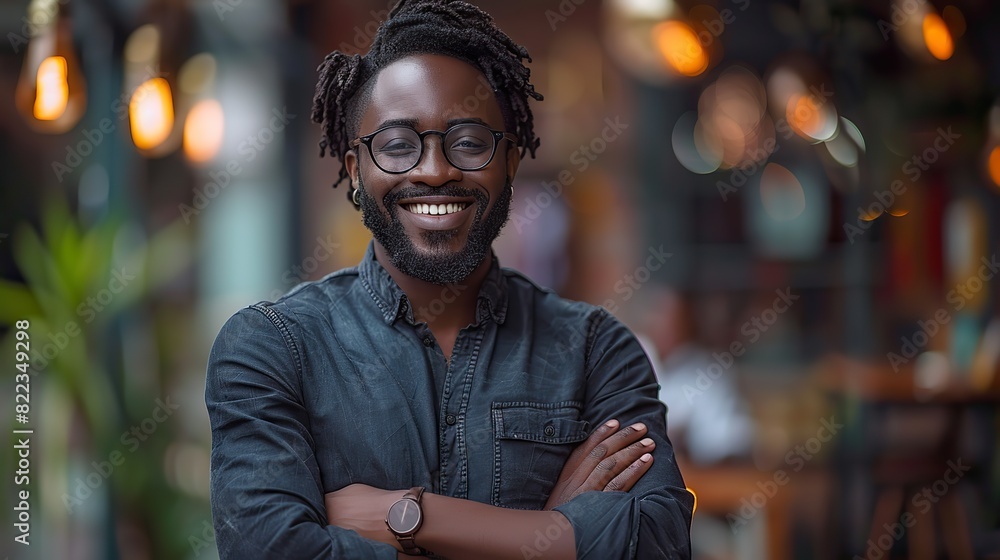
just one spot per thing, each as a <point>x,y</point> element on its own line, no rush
<point>446,27</point>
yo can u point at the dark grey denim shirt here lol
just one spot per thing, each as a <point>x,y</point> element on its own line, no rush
<point>335,383</point>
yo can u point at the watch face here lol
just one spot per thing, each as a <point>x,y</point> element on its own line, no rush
<point>404,516</point>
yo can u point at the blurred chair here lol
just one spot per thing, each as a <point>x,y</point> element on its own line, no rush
<point>910,443</point>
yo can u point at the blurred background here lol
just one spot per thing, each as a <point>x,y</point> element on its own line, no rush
<point>792,203</point>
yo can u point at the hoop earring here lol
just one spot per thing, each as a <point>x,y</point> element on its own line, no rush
<point>354,197</point>
<point>511,185</point>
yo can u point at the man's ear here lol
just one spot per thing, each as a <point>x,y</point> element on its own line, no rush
<point>351,163</point>
<point>513,161</point>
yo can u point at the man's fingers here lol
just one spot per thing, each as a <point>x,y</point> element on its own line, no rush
<point>610,467</point>
<point>580,453</point>
<point>611,445</point>
<point>607,457</point>
<point>565,487</point>
<point>624,481</point>
<point>584,466</point>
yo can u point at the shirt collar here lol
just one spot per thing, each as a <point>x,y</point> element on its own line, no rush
<point>393,303</point>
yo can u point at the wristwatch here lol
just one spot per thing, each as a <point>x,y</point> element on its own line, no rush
<point>404,518</point>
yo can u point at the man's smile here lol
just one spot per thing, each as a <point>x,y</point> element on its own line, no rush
<point>435,209</point>
<point>436,205</point>
<point>437,212</point>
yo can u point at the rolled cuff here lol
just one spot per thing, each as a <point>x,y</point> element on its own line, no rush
<point>616,525</point>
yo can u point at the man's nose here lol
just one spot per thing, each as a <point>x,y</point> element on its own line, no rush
<point>434,169</point>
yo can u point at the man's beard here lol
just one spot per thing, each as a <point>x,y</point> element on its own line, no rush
<point>442,266</point>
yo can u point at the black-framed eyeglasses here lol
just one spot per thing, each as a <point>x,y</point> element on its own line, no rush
<point>467,146</point>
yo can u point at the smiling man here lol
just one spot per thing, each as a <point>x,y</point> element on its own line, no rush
<point>428,401</point>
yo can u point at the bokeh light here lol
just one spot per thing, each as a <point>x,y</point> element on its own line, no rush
<point>732,124</point>
<point>853,132</point>
<point>698,151</point>
<point>800,98</point>
<point>810,117</point>
<point>847,144</point>
<point>151,113</point>
<point>870,214</point>
<point>781,193</point>
<point>680,47</point>
<point>993,165</point>
<point>143,45</point>
<point>52,91</point>
<point>937,37</point>
<point>203,131</point>
<point>652,9</point>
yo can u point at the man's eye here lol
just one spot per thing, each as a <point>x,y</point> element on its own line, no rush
<point>468,144</point>
<point>397,147</point>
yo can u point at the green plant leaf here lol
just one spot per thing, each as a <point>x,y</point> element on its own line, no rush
<point>18,302</point>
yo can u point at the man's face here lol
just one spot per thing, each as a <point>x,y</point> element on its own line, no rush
<point>433,92</point>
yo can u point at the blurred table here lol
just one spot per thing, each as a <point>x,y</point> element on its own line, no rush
<point>721,490</point>
<point>879,383</point>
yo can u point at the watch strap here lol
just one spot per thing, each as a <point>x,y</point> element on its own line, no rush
<point>414,493</point>
<point>407,541</point>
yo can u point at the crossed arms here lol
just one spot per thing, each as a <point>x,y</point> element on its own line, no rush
<point>268,499</point>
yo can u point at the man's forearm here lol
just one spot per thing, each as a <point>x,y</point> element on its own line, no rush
<point>460,529</point>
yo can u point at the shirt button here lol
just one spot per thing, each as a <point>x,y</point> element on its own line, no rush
<point>428,341</point>
<point>450,419</point>
<point>550,431</point>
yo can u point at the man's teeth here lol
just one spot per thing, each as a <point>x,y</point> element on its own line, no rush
<point>436,209</point>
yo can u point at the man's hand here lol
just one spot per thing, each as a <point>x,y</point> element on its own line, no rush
<point>362,508</point>
<point>606,461</point>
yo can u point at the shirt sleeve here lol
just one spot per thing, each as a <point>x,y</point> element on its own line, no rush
<point>266,492</point>
<point>653,519</point>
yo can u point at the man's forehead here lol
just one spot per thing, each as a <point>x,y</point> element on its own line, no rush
<point>433,85</point>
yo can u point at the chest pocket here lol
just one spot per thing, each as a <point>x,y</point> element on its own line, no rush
<point>532,441</point>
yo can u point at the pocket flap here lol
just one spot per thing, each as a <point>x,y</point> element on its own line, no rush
<point>541,422</point>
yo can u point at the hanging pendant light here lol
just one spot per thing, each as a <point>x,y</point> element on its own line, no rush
<point>51,90</point>
<point>151,104</point>
<point>204,123</point>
